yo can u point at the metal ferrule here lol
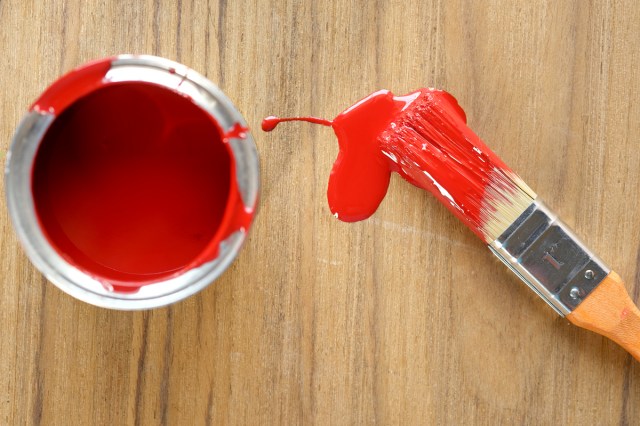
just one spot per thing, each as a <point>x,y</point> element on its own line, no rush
<point>550,258</point>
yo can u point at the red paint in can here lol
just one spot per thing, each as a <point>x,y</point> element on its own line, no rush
<point>135,182</point>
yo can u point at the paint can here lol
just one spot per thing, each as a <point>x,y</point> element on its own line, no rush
<point>132,182</point>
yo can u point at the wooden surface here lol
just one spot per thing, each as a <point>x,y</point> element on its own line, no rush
<point>402,319</point>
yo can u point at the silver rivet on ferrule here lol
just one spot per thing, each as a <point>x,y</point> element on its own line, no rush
<point>574,293</point>
<point>589,274</point>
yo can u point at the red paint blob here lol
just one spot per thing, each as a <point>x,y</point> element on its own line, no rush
<point>238,131</point>
<point>132,182</point>
<point>423,136</point>
<point>360,175</point>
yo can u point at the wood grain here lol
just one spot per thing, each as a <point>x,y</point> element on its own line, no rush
<point>401,319</point>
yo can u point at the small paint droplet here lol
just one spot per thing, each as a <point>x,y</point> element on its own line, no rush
<point>624,313</point>
<point>336,215</point>
<point>238,131</point>
<point>270,123</point>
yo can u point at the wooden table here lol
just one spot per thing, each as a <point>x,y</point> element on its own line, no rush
<point>404,318</point>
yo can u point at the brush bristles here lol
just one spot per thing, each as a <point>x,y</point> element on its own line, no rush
<point>432,147</point>
<point>506,198</point>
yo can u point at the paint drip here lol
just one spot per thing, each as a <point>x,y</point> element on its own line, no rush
<point>422,136</point>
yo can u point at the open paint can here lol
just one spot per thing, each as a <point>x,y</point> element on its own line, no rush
<point>132,182</point>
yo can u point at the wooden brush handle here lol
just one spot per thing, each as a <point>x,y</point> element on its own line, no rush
<point>609,311</point>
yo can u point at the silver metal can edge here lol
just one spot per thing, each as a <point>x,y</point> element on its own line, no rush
<point>75,282</point>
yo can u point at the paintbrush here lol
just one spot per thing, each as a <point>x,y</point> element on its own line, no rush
<point>423,136</point>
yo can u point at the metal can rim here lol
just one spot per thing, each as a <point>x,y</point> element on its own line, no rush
<point>70,279</point>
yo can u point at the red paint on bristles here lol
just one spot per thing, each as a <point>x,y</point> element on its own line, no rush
<point>423,136</point>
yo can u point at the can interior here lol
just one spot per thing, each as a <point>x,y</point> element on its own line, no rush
<point>131,183</point>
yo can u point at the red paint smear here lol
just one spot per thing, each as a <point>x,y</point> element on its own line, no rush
<point>72,86</point>
<point>238,131</point>
<point>422,136</point>
<point>241,216</point>
<point>133,183</point>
